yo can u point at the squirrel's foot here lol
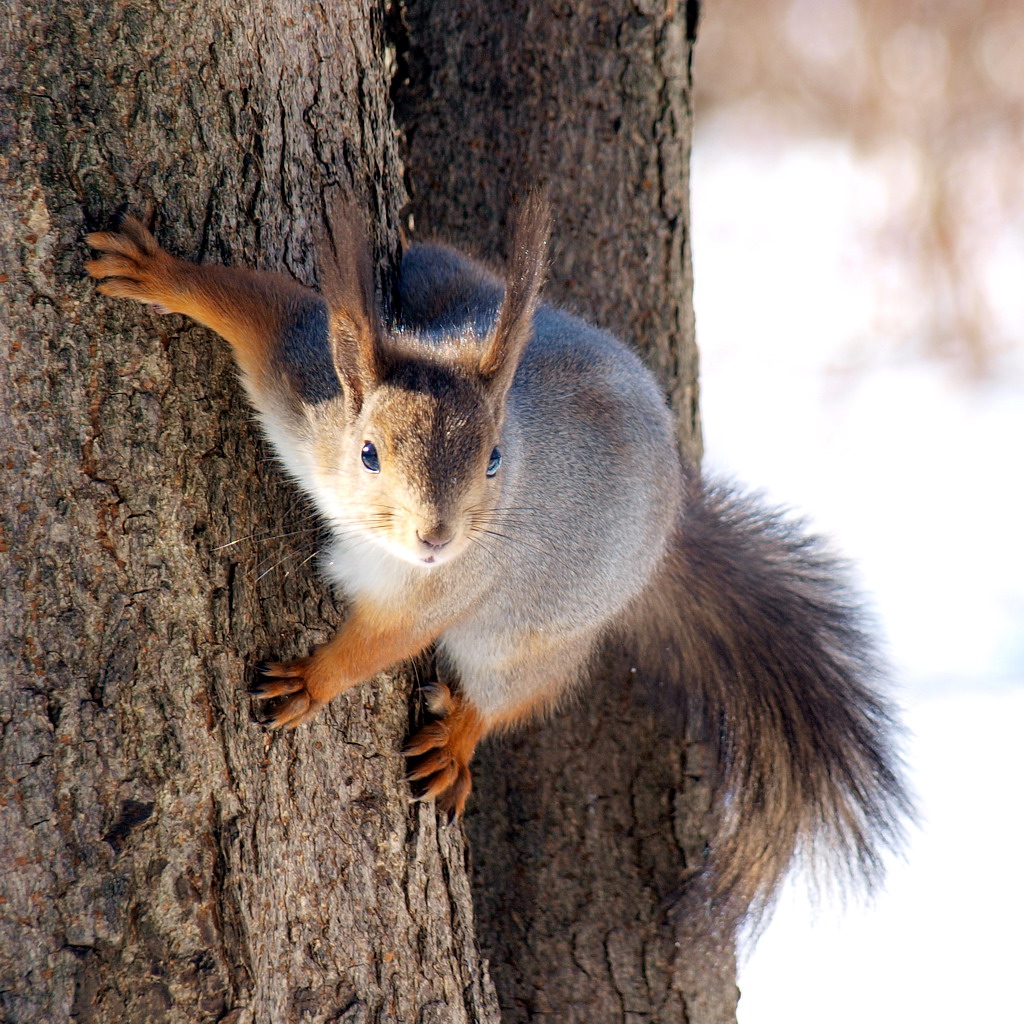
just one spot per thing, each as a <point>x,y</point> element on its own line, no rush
<point>441,750</point>
<point>133,266</point>
<point>285,679</point>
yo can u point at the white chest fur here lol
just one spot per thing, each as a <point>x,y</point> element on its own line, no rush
<point>362,568</point>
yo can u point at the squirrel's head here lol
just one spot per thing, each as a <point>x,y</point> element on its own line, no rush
<point>417,464</point>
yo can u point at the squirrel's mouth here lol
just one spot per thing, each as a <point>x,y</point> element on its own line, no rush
<point>435,545</point>
<point>435,558</point>
<point>440,556</point>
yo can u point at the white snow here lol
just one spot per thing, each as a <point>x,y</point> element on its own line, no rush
<point>814,390</point>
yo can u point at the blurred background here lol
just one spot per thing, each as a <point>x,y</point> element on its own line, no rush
<point>858,222</point>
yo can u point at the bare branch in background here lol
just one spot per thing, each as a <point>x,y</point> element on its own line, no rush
<point>936,93</point>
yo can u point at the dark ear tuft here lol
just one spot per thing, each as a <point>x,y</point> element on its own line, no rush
<point>346,272</point>
<point>527,267</point>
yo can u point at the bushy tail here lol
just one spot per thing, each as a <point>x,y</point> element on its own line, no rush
<point>752,620</point>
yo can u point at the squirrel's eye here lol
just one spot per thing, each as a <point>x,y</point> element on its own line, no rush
<point>371,460</point>
<point>492,466</point>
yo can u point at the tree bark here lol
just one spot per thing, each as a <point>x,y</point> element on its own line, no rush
<point>584,830</point>
<point>165,859</point>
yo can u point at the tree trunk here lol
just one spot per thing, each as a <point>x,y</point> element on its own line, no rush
<point>584,830</point>
<point>165,859</point>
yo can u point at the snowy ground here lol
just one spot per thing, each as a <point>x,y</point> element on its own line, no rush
<point>920,478</point>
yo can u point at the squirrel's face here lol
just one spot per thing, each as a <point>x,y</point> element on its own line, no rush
<point>423,464</point>
<point>419,467</point>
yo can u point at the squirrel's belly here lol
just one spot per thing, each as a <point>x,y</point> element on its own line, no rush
<point>514,672</point>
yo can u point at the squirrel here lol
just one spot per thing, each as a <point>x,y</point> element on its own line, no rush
<point>501,479</point>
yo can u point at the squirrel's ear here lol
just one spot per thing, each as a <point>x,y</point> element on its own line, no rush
<point>527,267</point>
<point>346,272</point>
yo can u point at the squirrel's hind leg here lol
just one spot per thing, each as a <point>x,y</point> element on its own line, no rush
<point>441,750</point>
<point>496,692</point>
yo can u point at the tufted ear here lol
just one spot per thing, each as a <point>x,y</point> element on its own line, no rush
<point>527,267</point>
<point>346,272</point>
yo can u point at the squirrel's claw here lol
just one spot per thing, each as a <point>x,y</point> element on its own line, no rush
<point>284,679</point>
<point>438,699</point>
<point>277,679</point>
<point>441,779</point>
<point>293,711</point>
<point>131,265</point>
<point>441,751</point>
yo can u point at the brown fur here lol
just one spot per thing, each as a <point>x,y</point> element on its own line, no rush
<point>370,640</point>
<point>514,325</point>
<point>247,308</point>
<point>443,749</point>
<point>347,280</point>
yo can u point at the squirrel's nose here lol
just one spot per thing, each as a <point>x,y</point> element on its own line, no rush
<point>436,538</point>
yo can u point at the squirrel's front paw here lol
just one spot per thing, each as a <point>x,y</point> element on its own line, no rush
<point>441,751</point>
<point>133,266</point>
<point>285,679</point>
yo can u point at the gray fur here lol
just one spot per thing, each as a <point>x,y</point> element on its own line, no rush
<point>586,429</point>
<point>590,524</point>
<point>305,355</point>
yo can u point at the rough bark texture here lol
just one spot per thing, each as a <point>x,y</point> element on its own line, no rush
<point>165,859</point>
<point>584,830</point>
